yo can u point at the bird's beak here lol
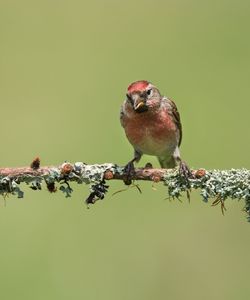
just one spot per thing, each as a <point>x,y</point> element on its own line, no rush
<point>140,106</point>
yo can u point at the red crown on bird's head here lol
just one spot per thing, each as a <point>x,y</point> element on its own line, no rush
<point>139,85</point>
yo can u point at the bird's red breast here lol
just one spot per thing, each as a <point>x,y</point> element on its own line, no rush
<point>152,133</point>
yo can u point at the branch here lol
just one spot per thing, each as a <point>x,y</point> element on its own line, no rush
<point>215,184</point>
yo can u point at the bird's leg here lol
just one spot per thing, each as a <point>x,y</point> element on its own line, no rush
<point>129,169</point>
<point>184,170</point>
<point>186,174</point>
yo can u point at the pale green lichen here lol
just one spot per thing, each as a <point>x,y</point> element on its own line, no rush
<point>67,190</point>
<point>91,174</point>
<point>226,184</point>
<point>8,185</point>
<point>81,173</point>
<point>222,185</point>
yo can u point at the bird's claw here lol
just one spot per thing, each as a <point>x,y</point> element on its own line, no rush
<point>185,172</point>
<point>129,172</point>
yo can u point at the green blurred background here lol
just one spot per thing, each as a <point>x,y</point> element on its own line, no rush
<point>64,69</point>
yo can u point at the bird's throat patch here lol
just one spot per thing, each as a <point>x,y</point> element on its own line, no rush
<point>141,108</point>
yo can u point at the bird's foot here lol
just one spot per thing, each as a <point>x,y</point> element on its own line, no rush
<point>185,172</point>
<point>129,172</point>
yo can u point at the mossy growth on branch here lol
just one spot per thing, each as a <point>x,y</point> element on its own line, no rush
<point>218,185</point>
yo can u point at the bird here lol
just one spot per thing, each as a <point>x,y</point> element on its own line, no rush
<point>153,126</point>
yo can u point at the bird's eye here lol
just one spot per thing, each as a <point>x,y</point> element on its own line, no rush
<point>149,92</point>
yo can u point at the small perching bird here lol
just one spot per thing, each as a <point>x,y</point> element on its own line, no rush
<point>152,125</point>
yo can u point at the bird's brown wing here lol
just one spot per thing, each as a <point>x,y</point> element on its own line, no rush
<point>176,118</point>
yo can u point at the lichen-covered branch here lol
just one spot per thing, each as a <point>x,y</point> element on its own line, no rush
<point>217,185</point>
